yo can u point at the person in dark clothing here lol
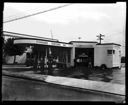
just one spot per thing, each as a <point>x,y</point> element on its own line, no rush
<point>35,64</point>
<point>42,65</point>
<point>50,63</point>
<point>75,63</point>
<point>90,65</point>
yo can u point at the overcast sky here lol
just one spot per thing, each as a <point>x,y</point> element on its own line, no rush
<point>68,23</point>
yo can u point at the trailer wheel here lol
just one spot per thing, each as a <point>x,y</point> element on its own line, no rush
<point>103,67</point>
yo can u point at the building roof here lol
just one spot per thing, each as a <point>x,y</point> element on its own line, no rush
<point>83,42</point>
<point>108,44</point>
<point>19,35</point>
<point>41,40</point>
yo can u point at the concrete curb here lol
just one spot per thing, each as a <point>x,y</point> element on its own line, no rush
<point>28,76</point>
<point>16,67</point>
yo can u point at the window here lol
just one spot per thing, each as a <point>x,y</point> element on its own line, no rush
<point>109,51</point>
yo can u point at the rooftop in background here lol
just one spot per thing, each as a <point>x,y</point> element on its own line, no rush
<point>94,42</point>
<point>19,35</point>
<point>83,42</point>
<point>108,44</point>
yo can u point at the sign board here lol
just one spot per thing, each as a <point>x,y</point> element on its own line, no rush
<point>84,46</point>
<point>55,44</point>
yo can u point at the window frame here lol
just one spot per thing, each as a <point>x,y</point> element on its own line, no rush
<point>109,53</point>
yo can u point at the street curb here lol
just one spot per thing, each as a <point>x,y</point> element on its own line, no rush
<point>25,76</point>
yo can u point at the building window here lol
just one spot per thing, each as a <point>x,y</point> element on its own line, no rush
<point>109,51</point>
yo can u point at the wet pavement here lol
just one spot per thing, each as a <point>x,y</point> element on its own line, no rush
<point>108,75</point>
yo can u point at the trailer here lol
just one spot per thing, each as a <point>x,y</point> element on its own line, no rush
<point>107,55</point>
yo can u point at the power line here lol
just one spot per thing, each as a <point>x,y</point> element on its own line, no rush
<point>10,17</point>
<point>17,14</point>
<point>36,13</point>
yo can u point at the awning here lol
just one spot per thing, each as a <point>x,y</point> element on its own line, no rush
<point>83,55</point>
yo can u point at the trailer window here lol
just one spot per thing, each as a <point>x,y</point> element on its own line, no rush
<point>113,51</point>
<point>109,51</point>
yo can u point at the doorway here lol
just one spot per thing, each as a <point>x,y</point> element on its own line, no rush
<point>83,56</point>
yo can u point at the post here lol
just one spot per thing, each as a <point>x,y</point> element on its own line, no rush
<point>72,55</point>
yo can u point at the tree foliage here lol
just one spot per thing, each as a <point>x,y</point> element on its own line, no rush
<point>11,49</point>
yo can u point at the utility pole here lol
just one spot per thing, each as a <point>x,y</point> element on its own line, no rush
<point>100,37</point>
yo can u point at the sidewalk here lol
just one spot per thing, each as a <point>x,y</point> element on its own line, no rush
<point>112,88</point>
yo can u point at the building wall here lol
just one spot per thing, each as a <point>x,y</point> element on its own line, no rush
<point>117,56</point>
<point>20,59</point>
<point>84,45</point>
<point>9,59</point>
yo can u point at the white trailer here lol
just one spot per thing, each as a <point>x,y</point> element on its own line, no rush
<point>107,55</point>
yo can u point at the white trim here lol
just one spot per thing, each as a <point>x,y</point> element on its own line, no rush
<point>24,41</point>
<point>84,46</point>
<point>42,43</point>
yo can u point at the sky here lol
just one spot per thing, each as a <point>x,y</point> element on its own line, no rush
<point>85,20</point>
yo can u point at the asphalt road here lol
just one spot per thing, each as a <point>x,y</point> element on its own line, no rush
<point>30,90</point>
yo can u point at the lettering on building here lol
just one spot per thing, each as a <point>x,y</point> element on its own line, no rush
<point>56,44</point>
<point>42,42</point>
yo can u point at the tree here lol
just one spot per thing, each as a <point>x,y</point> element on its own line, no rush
<point>3,43</point>
<point>11,49</point>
